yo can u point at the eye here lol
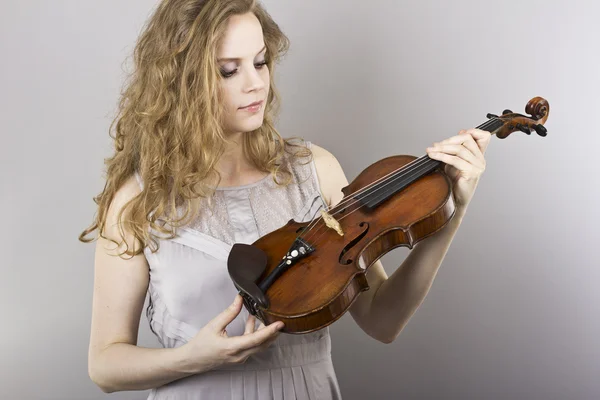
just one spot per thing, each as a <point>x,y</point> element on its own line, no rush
<point>229,74</point>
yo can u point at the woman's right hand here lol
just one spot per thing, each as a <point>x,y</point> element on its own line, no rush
<point>212,347</point>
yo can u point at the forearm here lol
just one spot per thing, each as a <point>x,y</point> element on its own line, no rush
<point>398,298</point>
<point>122,366</point>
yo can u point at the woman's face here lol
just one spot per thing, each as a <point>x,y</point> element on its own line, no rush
<point>241,58</point>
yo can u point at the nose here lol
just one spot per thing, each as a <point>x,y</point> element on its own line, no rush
<point>253,81</point>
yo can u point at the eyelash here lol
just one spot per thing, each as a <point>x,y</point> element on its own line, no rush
<point>230,74</point>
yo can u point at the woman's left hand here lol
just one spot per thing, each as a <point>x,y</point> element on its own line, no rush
<point>464,156</point>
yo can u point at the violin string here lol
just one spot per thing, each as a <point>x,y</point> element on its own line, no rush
<point>400,173</point>
<point>415,167</point>
<point>342,204</point>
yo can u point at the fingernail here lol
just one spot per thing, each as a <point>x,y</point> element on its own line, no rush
<point>280,325</point>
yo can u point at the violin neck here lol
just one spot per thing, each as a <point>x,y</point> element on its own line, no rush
<point>393,183</point>
<point>491,126</point>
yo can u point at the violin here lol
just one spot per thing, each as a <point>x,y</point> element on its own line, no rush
<point>308,274</point>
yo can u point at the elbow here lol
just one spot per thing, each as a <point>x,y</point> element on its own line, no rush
<point>99,378</point>
<point>100,382</point>
<point>386,339</point>
<point>382,338</point>
<point>106,389</point>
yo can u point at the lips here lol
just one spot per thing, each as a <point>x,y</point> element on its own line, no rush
<point>256,103</point>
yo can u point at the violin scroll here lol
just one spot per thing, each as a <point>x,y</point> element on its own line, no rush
<point>538,108</point>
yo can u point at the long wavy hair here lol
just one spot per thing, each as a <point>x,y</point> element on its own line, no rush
<point>169,125</point>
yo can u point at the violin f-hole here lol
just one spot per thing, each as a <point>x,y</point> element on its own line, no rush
<point>353,243</point>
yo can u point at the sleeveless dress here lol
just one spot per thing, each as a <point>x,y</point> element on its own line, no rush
<point>190,285</point>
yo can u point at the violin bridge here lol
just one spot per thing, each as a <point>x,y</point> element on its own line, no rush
<point>332,222</point>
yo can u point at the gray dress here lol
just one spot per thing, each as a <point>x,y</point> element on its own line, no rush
<point>190,285</point>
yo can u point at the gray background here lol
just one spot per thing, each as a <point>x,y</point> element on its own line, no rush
<point>513,312</point>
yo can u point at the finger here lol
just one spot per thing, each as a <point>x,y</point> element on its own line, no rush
<point>458,150</point>
<point>455,161</point>
<point>475,134</point>
<point>473,148</point>
<point>481,137</point>
<point>270,341</point>
<point>219,323</point>
<point>250,324</point>
<point>462,138</point>
<point>248,352</point>
<point>467,141</point>
<point>256,338</point>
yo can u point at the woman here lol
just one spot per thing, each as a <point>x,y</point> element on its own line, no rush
<point>199,166</point>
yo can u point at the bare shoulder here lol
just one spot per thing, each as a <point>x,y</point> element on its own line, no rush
<point>330,174</point>
<point>129,190</point>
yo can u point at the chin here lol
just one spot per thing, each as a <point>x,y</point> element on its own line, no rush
<point>249,125</point>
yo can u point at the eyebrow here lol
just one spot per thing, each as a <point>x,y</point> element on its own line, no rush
<point>238,59</point>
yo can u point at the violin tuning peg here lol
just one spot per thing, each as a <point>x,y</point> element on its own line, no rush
<point>506,112</point>
<point>541,130</point>
<point>523,128</point>
<point>489,116</point>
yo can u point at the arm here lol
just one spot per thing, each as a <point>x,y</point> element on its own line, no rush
<point>384,310</point>
<point>398,297</point>
<point>115,363</point>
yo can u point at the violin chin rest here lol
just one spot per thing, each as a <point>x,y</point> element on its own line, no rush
<point>246,264</point>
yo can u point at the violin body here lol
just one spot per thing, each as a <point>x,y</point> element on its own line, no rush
<point>397,201</point>
<point>319,289</point>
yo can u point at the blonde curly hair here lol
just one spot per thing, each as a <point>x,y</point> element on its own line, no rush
<point>170,118</point>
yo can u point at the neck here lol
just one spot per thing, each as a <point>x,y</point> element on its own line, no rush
<point>232,162</point>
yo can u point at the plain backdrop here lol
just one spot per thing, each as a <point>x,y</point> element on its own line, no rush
<point>513,312</point>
